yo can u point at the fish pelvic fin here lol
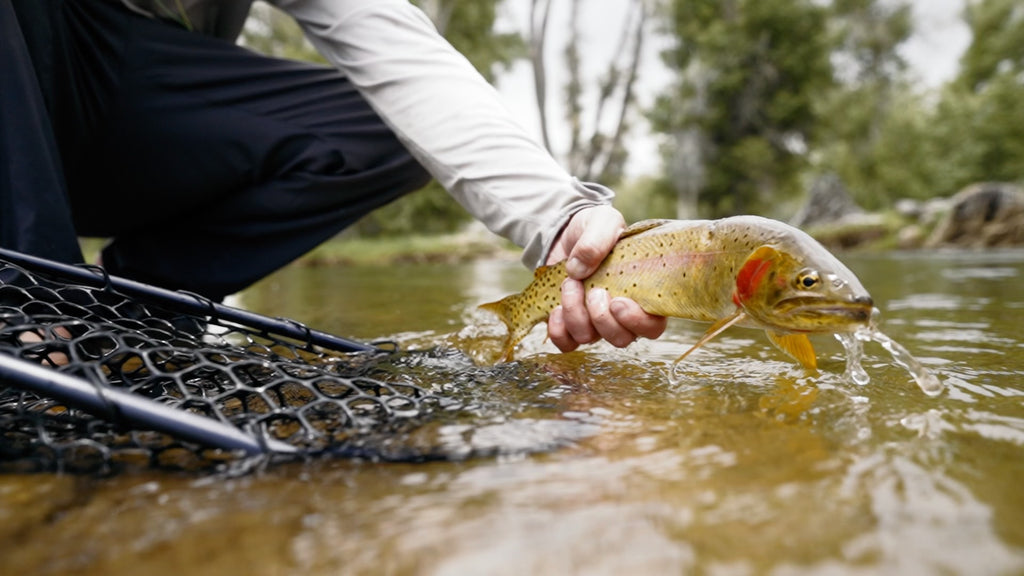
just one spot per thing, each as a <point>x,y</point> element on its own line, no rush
<point>715,329</point>
<point>797,346</point>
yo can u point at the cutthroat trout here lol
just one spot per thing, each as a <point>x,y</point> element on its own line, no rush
<point>745,271</point>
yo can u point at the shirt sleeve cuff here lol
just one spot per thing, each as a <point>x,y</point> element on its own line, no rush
<point>536,251</point>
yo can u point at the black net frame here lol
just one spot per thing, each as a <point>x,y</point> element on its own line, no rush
<point>99,372</point>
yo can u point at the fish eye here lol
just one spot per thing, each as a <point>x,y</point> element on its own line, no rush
<point>807,279</point>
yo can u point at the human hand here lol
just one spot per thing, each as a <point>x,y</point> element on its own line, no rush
<point>586,317</point>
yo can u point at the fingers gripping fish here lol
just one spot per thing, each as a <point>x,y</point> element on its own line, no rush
<point>744,270</point>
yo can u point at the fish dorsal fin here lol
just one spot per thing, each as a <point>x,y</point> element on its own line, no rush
<point>798,346</point>
<point>642,226</point>
<point>715,329</point>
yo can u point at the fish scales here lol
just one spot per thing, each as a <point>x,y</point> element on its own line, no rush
<point>683,270</point>
<point>708,271</point>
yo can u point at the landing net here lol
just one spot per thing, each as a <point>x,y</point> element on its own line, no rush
<point>93,379</point>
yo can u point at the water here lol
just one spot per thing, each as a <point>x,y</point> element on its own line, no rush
<point>594,462</point>
<point>926,380</point>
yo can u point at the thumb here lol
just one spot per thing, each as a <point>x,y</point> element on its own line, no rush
<point>597,231</point>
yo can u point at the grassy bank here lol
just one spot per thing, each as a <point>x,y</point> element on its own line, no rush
<point>407,249</point>
<point>384,251</point>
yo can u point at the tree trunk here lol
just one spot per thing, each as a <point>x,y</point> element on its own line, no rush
<point>540,11</point>
<point>688,168</point>
<point>687,172</point>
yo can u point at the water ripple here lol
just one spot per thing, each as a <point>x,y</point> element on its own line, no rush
<point>938,302</point>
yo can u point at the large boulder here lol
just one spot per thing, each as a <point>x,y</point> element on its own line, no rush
<point>982,215</point>
<point>827,202</point>
<point>832,217</point>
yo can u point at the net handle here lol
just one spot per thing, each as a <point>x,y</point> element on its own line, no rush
<point>137,411</point>
<point>186,302</point>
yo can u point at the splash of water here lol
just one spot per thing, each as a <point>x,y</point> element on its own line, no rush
<point>852,342</point>
<point>854,355</point>
<point>675,374</point>
<point>927,381</point>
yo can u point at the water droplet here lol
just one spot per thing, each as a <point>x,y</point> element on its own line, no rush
<point>854,355</point>
<point>927,381</point>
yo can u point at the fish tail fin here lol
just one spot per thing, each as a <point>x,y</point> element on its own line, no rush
<point>521,312</point>
<point>504,309</point>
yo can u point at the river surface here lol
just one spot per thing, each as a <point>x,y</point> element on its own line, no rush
<point>593,462</point>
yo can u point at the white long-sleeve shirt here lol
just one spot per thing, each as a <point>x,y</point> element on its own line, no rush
<point>448,116</point>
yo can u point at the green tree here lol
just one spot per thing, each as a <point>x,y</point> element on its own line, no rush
<point>887,140</point>
<point>997,45</point>
<point>870,123</point>
<point>741,115</point>
<point>980,117</point>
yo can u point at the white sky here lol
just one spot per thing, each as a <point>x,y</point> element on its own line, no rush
<point>933,53</point>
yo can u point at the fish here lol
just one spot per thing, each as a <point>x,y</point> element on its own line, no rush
<point>745,270</point>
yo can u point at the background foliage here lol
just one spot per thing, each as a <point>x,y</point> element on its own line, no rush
<point>765,96</point>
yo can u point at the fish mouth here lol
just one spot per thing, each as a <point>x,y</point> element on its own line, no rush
<point>824,314</point>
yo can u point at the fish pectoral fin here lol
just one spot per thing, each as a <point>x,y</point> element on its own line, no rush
<point>797,346</point>
<point>715,329</point>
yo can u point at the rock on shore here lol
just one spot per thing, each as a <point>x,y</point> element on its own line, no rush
<point>982,215</point>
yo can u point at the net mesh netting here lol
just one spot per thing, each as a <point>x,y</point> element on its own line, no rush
<point>268,388</point>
